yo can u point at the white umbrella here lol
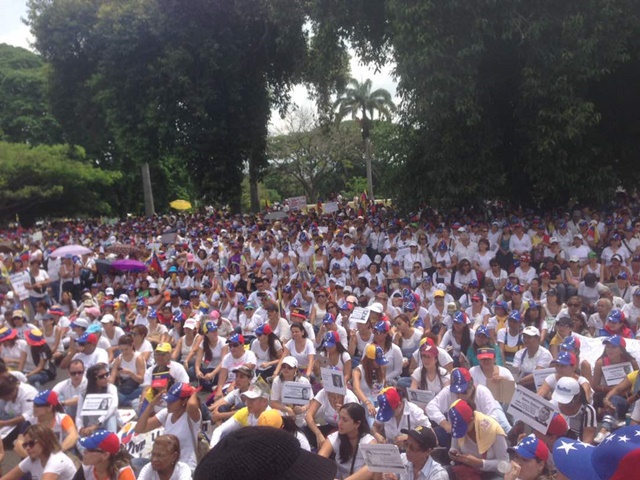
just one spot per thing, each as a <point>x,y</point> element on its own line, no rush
<point>70,250</point>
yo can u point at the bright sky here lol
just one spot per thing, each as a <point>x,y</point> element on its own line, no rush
<point>14,32</point>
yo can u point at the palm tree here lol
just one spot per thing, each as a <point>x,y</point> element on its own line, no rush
<point>361,103</point>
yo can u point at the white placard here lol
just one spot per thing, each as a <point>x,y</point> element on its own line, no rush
<point>323,229</point>
<point>138,445</point>
<point>96,404</point>
<point>330,207</point>
<point>4,431</point>
<point>420,397</point>
<point>17,282</point>
<point>383,458</point>
<point>614,374</point>
<point>296,393</point>
<point>533,410</point>
<point>37,236</point>
<point>297,203</point>
<point>540,375</point>
<point>333,381</point>
<point>360,315</point>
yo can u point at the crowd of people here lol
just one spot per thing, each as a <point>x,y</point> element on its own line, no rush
<point>391,331</point>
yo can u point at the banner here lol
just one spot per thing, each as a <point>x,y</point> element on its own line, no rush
<point>297,203</point>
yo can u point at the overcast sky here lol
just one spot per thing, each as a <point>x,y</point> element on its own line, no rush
<point>14,32</point>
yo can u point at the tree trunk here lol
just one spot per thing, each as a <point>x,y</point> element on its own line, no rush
<point>367,157</point>
<point>253,187</point>
<point>149,208</point>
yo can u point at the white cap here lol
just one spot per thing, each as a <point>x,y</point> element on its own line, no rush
<point>531,331</point>
<point>577,235</point>
<point>153,285</point>
<point>124,298</point>
<point>348,289</point>
<point>291,361</point>
<point>413,244</point>
<point>462,230</point>
<point>9,295</point>
<point>108,291</point>
<point>191,323</point>
<point>376,307</point>
<point>108,318</point>
<point>566,389</point>
<point>255,391</point>
<point>574,259</point>
<point>340,283</point>
<point>378,259</point>
<point>553,240</point>
<point>80,322</point>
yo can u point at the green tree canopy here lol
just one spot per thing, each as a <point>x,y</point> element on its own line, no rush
<point>50,181</point>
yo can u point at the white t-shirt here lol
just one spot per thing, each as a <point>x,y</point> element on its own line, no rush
<point>66,390</point>
<point>327,410</point>
<point>99,355</point>
<point>412,416</point>
<point>23,404</point>
<point>231,363</point>
<point>344,468</point>
<point>181,471</point>
<point>176,370</point>
<point>301,356</point>
<point>526,364</point>
<point>183,428</point>
<point>58,463</point>
<point>438,382</point>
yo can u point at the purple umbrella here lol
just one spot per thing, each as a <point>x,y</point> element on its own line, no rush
<point>129,266</point>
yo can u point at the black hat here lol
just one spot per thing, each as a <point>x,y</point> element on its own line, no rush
<point>263,453</point>
<point>425,436</point>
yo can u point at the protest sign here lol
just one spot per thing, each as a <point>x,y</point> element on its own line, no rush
<point>17,282</point>
<point>330,207</point>
<point>96,404</point>
<point>138,445</point>
<point>333,381</point>
<point>383,458</point>
<point>540,375</point>
<point>614,374</point>
<point>502,390</point>
<point>296,393</point>
<point>533,410</point>
<point>420,397</point>
<point>297,203</point>
<point>360,315</point>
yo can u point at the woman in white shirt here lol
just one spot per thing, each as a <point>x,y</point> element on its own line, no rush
<point>301,348</point>
<point>353,431</point>
<point>165,463</point>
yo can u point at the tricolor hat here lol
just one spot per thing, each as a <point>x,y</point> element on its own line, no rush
<point>616,458</point>
<point>331,339</point>
<point>102,440</point>
<point>530,447</point>
<point>80,322</point>
<point>35,337</point>
<point>565,358</point>
<point>502,305</point>
<point>46,397</point>
<point>461,317</point>
<point>616,341</point>
<point>460,378</point>
<point>264,329</point>
<point>236,338</point>
<point>374,352</point>
<point>88,338</point>
<point>178,391</point>
<point>486,352</point>
<point>460,415</point>
<point>616,316</point>
<point>515,316</point>
<point>483,330</point>
<point>7,333</point>
<point>381,327</point>
<point>558,425</point>
<point>208,327</point>
<point>56,310</point>
<point>570,344</point>
<point>388,401</point>
<point>328,318</point>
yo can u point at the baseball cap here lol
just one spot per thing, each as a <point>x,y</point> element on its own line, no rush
<point>331,339</point>
<point>460,378</point>
<point>425,436</point>
<point>244,370</point>
<point>109,291</point>
<point>430,350</point>
<point>328,318</point>
<point>565,390</point>
<point>102,440</point>
<point>236,338</point>
<point>80,322</point>
<point>46,397</point>
<point>376,307</point>
<point>256,453</point>
<point>483,330</point>
<point>178,391</point>
<point>88,338</point>
<point>291,361</point>
<point>616,341</point>
<point>460,415</point>
<point>531,331</point>
<point>615,316</point>
<point>192,324</point>
<point>558,425</point>
<point>381,326</point>
<point>515,315</point>
<point>374,352</point>
<point>264,329</point>
<point>486,352</point>
<point>254,391</point>
<point>461,317</point>
<point>570,344</point>
<point>565,358</point>
<point>163,347</point>
<point>531,447</point>
<point>388,401</point>
<point>108,318</point>
<point>438,293</point>
<point>564,321</point>
<point>270,418</point>
<point>617,458</point>
<point>94,328</point>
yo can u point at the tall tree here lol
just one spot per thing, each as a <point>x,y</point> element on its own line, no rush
<point>362,104</point>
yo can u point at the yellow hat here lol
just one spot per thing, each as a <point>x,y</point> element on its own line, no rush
<point>270,418</point>
<point>163,348</point>
<point>438,293</point>
<point>370,351</point>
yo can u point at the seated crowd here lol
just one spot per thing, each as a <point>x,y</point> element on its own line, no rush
<point>388,332</point>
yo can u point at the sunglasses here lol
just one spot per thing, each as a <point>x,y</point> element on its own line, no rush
<point>94,450</point>
<point>102,376</point>
<point>573,304</point>
<point>74,374</point>
<point>29,444</point>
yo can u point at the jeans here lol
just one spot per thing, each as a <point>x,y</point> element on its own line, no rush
<point>208,384</point>
<point>38,379</point>
<point>125,399</point>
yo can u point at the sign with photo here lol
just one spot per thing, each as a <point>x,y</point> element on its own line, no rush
<point>533,410</point>
<point>96,404</point>
<point>383,458</point>
<point>333,381</point>
<point>540,375</point>
<point>420,397</point>
<point>296,393</point>
<point>360,315</point>
<point>614,374</point>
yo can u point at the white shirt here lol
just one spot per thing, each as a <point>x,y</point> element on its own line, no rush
<point>440,404</point>
<point>176,370</point>
<point>57,463</point>
<point>99,355</point>
<point>181,471</point>
<point>344,468</point>
<point>412,416</point>
<point>186,430</point>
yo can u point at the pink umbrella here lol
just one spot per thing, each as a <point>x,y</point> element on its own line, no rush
<point>129,265</point>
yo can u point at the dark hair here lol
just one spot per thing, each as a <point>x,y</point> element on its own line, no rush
<point>126,340</point>
<point>423,376</point>
<point>272,339</point>
<point>206,348</point>
<point>92,377</point>
<point>8,385</point>
<point>357,414</point>
<point>141,329</point>
<point>40,351</point>
<point>370,366</point>
<point>289,425</point>
<point>299,326</point>
<point>45,437</point>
